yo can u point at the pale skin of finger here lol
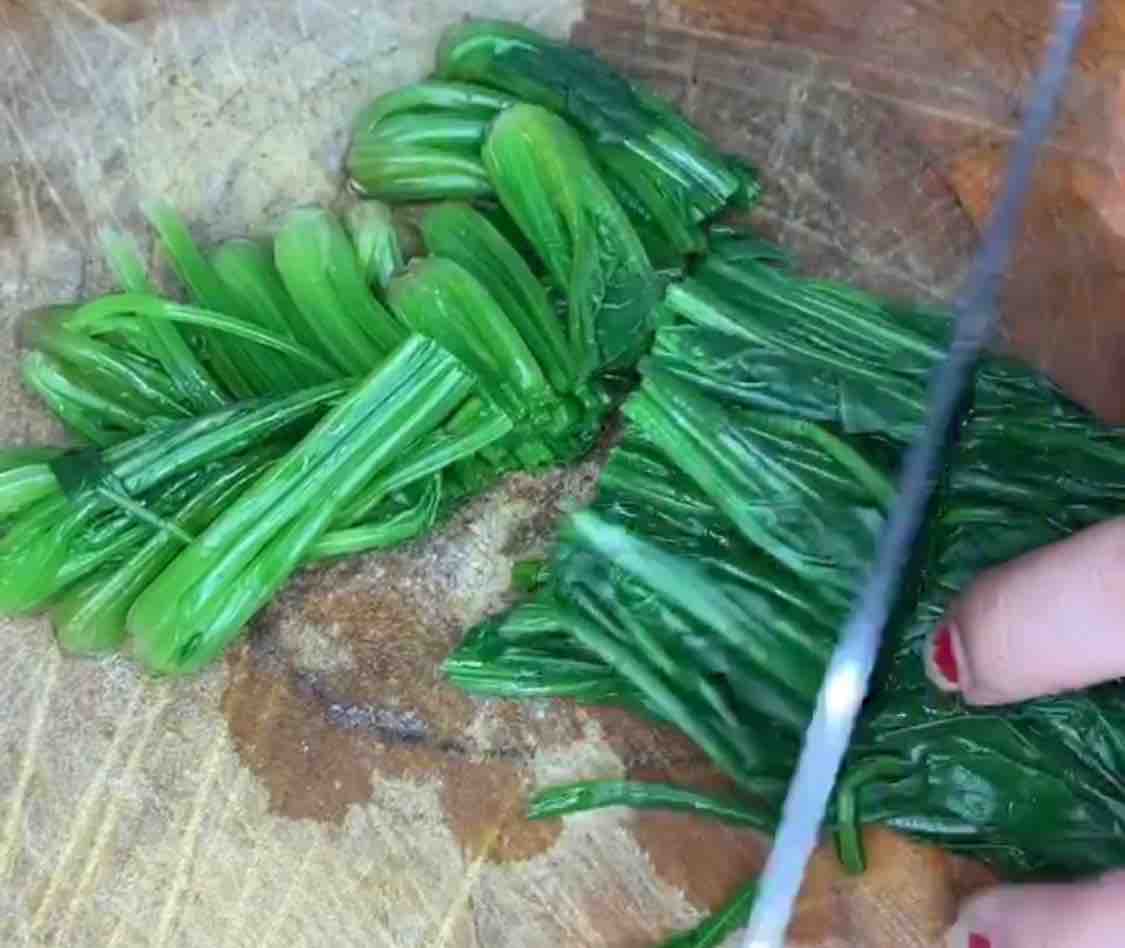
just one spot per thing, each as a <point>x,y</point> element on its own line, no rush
<point>1091,915</point>
<point>1048,622</point>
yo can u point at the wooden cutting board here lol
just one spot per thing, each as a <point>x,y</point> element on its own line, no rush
<point>323,786</point>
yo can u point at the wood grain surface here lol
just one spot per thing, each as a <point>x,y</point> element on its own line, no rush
<point>324,786</point>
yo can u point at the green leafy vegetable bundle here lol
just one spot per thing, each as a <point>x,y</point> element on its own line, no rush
<point>325,392</point>
<point>707,583</point>
<point>424,142</point>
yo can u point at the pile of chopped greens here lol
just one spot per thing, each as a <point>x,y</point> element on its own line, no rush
<point>540,238</point>
<point>706,584</point>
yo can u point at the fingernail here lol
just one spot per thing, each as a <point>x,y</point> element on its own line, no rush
<point>979,941</point>
<point>942,662</point>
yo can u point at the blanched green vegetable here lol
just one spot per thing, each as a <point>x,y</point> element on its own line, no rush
<point>25,477</point>
<point>320,270</point>
<point>121,376</point>
<point>125,313</point>
<point>202,600</point>
<point>463,235</point>
<point>601,103</point>
<point>433,96</point>
<point>446,132</point>
<point>442,300</point>
<point>659,206</point>
<point>707,583</point>
<point>387,527</point>
<point>475,426</point>
<point>372,229</point>
<point>162,339</point>
<point>548,184</point>
<point>395,173</point>
<point>822,350</point>
<point>247,270</point>
<point>89,617</point>
<point>101,505</point>
<point>81,409</point>
<point>246,371</point>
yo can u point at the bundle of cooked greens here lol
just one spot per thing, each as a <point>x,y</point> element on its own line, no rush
<point>547,237</point>
<point>706,585</point>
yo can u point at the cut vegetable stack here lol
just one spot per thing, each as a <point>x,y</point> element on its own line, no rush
<point>707,583</point>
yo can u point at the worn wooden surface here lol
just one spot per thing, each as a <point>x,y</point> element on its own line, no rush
<point>323,786</point>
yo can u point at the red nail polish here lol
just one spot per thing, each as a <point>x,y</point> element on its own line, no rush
<point>979,941</point>
<point>945,661</point>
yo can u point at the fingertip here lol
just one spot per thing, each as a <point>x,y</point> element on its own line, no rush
<point>1045,623</point>
<point>1081,915</point>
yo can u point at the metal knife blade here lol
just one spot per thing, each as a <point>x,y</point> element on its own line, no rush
<point>849,670</point>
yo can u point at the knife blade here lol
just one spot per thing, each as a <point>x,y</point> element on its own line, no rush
<point>849,670</point>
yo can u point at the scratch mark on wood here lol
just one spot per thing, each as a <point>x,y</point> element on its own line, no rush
<point>253,874</point>
<point>10,842</point>
<point>84,813</point>
<point>60,121</point>
<point>579,921</point>
<point>296,881</point>
<point>111,28</point>
<point>91,77</point>
<point>361,904</point>
<point>404,845</point>
<point>190,841</point>
<point>228,52</point>
<point>331,867</point>
<point>468,882</point>
<point>109,817</point>
<point>41,173</point>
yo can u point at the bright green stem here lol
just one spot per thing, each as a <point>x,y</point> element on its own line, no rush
<point>247,269</point>
<point>82,410</point>
<point>659,199</point>
<point>371,227</point>
<point>106,502</point>
<point>320,270</point>
<point>202,600</point>
<point>642,673</point>
<point>474,427</point>
<point>25,477</point>
<point>397,173</point>
<point>849,835</point>
<point>536,676</point>
<point>692,430</point>
<point>111,313</point>
<point>464,235</point>
<point>433,95</point>
<point>445,131</point>
<point>146,461</point>
<point>115,372</point>
<point>89,618</point>
<point>382,534</point>
<point>595,794</point>
<point>441,299</point>
<point>191,378</point>
<point>548,183</point>
<point>233,362</point>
